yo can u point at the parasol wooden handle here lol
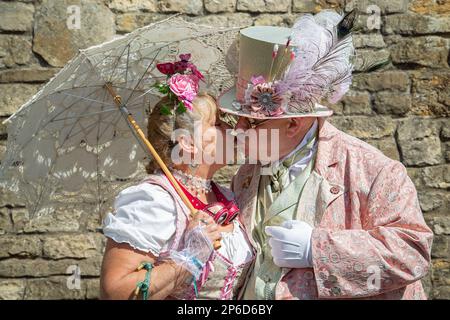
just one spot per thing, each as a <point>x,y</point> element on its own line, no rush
<point>162,165</point>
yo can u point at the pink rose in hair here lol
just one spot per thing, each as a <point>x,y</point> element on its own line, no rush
<point>185,87</point>
<point>188,104</point>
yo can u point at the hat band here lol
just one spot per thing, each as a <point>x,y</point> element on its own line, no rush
<point>241,86</point>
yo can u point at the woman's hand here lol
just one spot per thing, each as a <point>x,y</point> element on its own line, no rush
<point>211,228</point>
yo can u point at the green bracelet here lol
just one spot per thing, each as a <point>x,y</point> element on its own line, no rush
<point>144,286</point>
<point>194,282</point>
<point>198,264</point>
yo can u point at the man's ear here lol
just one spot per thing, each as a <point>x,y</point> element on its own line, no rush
<point>187,144</point>
<point>293,127</point>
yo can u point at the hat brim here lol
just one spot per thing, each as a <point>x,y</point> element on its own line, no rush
<point>227,98</point>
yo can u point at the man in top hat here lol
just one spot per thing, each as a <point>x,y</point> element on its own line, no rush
<point>331,217</point>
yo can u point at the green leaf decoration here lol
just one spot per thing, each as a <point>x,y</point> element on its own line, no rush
<point>165,110</point>
<point>181,108</point>
<point>163,88</point>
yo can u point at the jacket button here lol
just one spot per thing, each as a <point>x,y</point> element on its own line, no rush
<point>334,190</point>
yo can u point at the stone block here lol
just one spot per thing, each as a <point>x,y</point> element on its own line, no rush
<point>15,50</point>
<point>357,103</point>
<point>258,6</point>
<point>386,80</point>
<point>429,51</point>
<point>314,6</point>
<point>57,42</point>
<point>364,127</point>
<point>419,142</point>
<point>38,268</point>
<point>20,246</point>
<point>389,102</point>
<point>12,289</point>
<point>35,74</point>
<point>217,6</point>
<point>55,288</point>
<point>185,6</point>
<point>133,5</point>
<point>415,24</point>
<point>16,16</point>
<point>430,94</point>
<point>71,246</point>
<point>14,96</point>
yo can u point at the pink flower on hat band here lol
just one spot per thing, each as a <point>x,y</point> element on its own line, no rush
<point>257,80</point>
<point>264,98</point>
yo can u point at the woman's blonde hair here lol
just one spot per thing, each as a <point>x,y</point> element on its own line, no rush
<point>161,126</point>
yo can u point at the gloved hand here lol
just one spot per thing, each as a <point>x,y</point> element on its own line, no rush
<point>196,252</point>
<point>291,244</point>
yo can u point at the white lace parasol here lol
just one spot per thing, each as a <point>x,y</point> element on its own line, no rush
<point>69,145</point>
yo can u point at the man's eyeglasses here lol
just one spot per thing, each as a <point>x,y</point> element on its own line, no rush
<point>253,123</point>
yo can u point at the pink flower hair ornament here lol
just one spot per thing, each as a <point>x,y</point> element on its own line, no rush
<point>181,85</point>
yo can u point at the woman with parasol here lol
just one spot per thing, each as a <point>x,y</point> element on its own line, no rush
<point>155,249</point>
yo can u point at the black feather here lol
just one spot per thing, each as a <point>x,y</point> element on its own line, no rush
<point>345,26</point>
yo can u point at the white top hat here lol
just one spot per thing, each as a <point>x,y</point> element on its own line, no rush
<point>287,72</point>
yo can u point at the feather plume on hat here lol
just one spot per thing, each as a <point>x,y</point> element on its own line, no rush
<point>322,64</point>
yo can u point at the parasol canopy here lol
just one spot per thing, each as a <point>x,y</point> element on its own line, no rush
<point>71,146</point>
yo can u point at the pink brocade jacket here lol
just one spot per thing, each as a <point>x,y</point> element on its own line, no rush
<point>369,240</point>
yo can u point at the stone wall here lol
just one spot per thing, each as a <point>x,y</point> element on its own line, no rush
<point>402,109</point>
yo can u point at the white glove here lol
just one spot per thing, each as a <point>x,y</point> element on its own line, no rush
<point>291,244</point>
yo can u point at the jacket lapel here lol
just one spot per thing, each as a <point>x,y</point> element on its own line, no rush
<point>320,193</point>
<point>323,185</point>
<point>247,197</point>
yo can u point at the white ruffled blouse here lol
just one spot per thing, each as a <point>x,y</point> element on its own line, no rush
<point>145,218</point>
